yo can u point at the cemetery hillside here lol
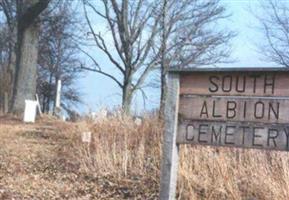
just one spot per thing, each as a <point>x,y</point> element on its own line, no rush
<point>49,160</point>
<point>144,100</point>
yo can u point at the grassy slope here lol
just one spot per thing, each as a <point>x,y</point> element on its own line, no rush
<point>47,160</point>
<point>30,164</point>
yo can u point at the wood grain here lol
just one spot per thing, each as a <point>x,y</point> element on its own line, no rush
<point>199,83</point>
<point>245,135</point>
<point>234,109</point>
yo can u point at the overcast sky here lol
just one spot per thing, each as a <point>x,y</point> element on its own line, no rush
<point>99,91</point>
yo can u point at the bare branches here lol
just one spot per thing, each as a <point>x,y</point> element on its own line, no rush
<point>133,28</point>
<point>98,69</point>
<point>100,42</point>
<point>8,8</point>
<point>275,28</point>
<point>103,73</point>
<point>58,57</point>
<point>190,37</point>
<point>145,34</point>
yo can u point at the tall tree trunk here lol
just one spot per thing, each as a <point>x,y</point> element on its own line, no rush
<point>11,73</point>
<point>26,70</point>
<point>164,63</point>
<point>127,95</point>
<point>164,91</point>
<point>44,104</point>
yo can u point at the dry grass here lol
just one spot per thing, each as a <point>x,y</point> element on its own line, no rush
<point>128,154</point>
<point>49,161</point>
<point>206,173</point>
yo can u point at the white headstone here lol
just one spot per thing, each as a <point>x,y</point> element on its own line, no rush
<point>30,111</point>
<point>138,121</point>
<point>58,94</point>
<point>98,116</point>
<point>101,114</point>
<point>86,137</point>
<point>93,115</point>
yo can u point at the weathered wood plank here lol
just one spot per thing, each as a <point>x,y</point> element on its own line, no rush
<point>245,135</point>
<point>234,109</point>
<point>235,83</point>
<point>170,148</point>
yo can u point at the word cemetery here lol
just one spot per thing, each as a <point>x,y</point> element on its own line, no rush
<point>245,108</point>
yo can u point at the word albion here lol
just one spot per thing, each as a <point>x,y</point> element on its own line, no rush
<point>230,109</point>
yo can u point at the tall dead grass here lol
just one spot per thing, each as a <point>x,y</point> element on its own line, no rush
<point>122,150</point>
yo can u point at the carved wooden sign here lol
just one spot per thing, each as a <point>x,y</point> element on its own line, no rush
<point>241,109</point>
<point>245,107</point>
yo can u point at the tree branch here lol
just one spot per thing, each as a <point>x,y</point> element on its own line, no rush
<point>98,69</point>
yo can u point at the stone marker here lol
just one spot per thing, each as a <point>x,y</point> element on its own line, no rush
<point>30,111</point>
<point>86,137</point>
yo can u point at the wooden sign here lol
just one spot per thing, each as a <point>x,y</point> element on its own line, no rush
<point>242,106</point>
<point>246,108</point>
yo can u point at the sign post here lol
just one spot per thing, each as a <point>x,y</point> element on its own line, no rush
<point>170,147</point>
<point>244,107</point>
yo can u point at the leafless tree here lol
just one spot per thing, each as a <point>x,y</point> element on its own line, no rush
<point>58,56</point>
<point>8,46</point>
<point>190,37</point>
<point>274,20</point>
<point>21,17</point>
<point>133,26</point>
<point>4,56</point>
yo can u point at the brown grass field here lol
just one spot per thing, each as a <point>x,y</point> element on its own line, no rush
<point>48,160</point>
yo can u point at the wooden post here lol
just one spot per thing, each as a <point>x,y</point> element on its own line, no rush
<point>170,148</point>
<point>38,105</point>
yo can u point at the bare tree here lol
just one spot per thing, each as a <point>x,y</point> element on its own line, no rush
<point>133,26</point>
<point>190,37</point>
<point>27,52</point>
<point>4,56</point>
<point>274,20</point>
<point>21,16</point>
<point>58,57</point>
<point>8,46</point>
